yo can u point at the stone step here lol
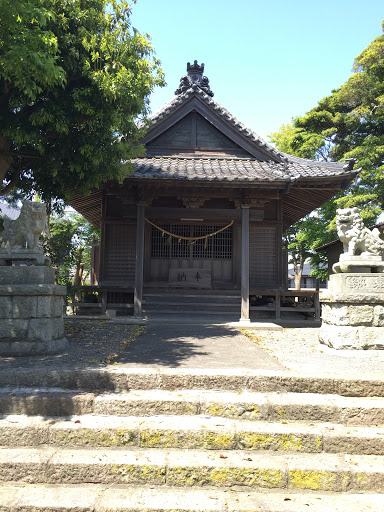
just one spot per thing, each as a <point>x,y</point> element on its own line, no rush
<point>100,498</point>
<point>271,407</point>
<point>218,303</point>
<point>189,432</point>
<point>123,379</point>
<point>193,468</point>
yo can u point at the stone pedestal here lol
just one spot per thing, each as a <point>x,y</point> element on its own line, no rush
<point>359,264</point>
<point>353,311</point>
<point>31,311</point>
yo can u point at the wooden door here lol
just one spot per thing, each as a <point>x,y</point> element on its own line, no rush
<point>212,254</point>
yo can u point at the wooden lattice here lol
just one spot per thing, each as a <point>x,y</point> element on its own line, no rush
<point>263,257</point>
<point>120,253</point>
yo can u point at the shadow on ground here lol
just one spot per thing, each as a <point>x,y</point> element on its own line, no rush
<point>92,344</point>
<point>195,346</point>
<point>98,343</point>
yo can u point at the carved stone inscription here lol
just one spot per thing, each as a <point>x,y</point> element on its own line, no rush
<point>189,278</point>
<point>373,282</point>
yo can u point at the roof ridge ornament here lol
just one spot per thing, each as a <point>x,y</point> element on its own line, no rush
<point>194,78</point>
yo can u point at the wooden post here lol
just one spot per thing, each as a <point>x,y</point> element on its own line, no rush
<point>102,239</point>
<point>278,304</point>
<point>104,301</point>
<point>316,300</point>
<point>281,264</point>
<point>138,296</point>
<point>244,264</point>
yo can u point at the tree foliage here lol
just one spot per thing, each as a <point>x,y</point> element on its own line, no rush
<point>349,123</point>
<point>69,247</point>
<point>74,79</point>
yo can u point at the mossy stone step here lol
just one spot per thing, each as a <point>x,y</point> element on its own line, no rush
<point>192,432</point>
<point>194,468</point>
<point>273,407</point>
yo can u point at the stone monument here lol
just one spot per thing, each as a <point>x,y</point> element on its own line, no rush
<point>31,305</point>
<point>353,305</point>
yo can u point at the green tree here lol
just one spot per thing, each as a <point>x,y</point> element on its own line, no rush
<point>295,243</point>
<point>347,124</point>
<point>69,247</point>
<point>74,80</point>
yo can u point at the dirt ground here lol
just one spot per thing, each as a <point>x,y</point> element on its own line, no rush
<point>92,343</point>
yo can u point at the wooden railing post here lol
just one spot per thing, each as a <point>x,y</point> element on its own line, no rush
<point>138,294</point>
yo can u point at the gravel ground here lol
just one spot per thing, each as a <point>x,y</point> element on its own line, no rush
<point>92,343</point>
<point>299,350</point>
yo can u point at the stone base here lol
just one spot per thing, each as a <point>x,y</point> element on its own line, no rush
<point>31,315</point>
<point>365,263</point>
<point>27,275</point>
<point>353,312</point>
<point>32,348</point>
<point>352,337</point>
<point>24,255</point>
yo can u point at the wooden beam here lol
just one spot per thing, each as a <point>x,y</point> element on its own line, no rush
<point>201,213</point>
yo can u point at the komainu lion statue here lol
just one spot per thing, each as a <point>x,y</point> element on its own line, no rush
<point>357,239</point>
<point>24,232</point>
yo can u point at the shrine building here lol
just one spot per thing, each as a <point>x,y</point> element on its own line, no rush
<point>205,208</point>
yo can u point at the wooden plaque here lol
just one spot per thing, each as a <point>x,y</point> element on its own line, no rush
<point>190,278</point>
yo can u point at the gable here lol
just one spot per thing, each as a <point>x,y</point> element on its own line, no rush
<point>194,135</point>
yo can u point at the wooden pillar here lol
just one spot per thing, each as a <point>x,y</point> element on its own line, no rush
<point>282,267</point>
<point>138,296</point>
<point>244,263</point>
<point>103,229</point>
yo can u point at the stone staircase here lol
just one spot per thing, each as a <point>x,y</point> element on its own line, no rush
<point>135,440</point>
<point>193,302</point>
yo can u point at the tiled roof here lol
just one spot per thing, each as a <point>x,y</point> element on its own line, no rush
<point>295,167</point>
<point>209,169</point>
<point>235,169</point>
<point>167,110</point>
<point>300,168</point>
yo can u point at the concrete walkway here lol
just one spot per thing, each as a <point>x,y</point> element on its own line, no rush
<point>189,343</point>
<point>195,345</point>
<point>266,347</point>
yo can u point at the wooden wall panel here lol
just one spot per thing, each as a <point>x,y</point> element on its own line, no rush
<point>263,257</point>
<point>120,253</point>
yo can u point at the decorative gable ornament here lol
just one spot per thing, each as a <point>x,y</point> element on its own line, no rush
<point>194,78</point>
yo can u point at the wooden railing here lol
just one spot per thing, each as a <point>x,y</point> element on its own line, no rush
<point>302,301</point>
<point>102,305</point>
<point>305,301</point>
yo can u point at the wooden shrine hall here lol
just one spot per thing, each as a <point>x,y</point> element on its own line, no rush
<point>206,207</point>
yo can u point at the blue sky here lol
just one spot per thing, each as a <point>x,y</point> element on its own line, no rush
<point>266,61</point>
